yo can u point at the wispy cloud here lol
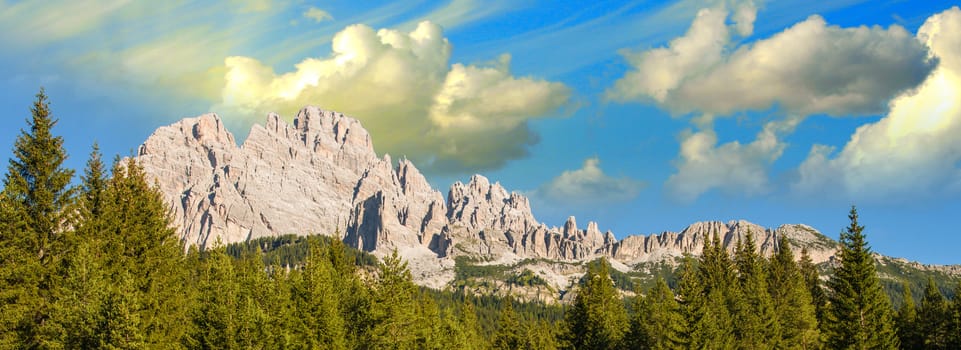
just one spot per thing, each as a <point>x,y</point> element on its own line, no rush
<point>317,15</point>
<point>461,12</point>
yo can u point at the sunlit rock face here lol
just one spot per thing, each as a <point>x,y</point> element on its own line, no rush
<point>321,175</point>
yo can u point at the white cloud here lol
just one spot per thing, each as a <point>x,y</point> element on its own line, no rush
<point>399,84</point>
<point>809,68</point>
<point>317,15</point>
<point>914,151</point>
<point>659,71</point>
<point>589,184</point>
<point>732,167</point>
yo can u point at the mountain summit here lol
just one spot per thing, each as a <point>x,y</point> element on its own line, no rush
<point>321,175</point>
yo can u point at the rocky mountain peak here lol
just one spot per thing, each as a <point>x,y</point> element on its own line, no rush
<point>321,175</point>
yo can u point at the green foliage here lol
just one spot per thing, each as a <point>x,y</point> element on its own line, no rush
<point>893,272</point>
<point>756,323</point>
<point>102,268</point>
<point>812,280</point>
<point>36,206</point>
<point>712,291</point>
<point>791,296</point>
<point>907,322</point>
<point>657,322</point>
<point>597,320</point>
<point>509,334</point>
<point>954,319</point>
<point>859,314</point>
<point>292,250</point>
<point>934,319</point>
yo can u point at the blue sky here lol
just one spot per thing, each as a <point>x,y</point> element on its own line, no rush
<point>644,116</point>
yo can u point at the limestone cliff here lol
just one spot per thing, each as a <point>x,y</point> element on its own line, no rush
<point>321,175</point>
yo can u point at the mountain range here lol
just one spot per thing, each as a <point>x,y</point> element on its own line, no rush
<point>321,175</point>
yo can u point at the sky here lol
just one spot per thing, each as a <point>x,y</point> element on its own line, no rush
<point>644,116</point>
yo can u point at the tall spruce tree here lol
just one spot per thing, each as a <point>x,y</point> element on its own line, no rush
<point>394,312</point>
<point>355,299</point>
<point>933,318</point>
<point>139,240</point>
<point>597,320</point>
<point>954,319</point>
<point>35,200</point>
<point>83,283</point>
<point>509,330</point>
<point>756,323</point>
<point>859,313</point>
<point>907,321</point>
<point>691,302</point>
<point>792,301</point>
<point>540,336</point>
<point>812,279</point>
<point>657,322</point>
<point>720,294</point>
<point>462,330</point>
<point>215,319</point>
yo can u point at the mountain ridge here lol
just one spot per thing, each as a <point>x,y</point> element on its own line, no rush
<point>320,175</point>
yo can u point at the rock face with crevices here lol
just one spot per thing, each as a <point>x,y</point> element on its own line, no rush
<point>321,175</point>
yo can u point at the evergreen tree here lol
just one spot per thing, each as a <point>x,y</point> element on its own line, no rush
<point>792,301</point>
<point>933,318</point>
<point>94,184</point>
<point>120,324</point>
<point>460,331</point>
<point>691,302</point>
<point>954,319</point>
<point>813,281</point>
<point>355,299</point>
<point>657,322</point>
<point>720,295</point>
<point>35,201</point>
<point>859,313</point>
<point>258,300</point>
<point>708,322</point>
<point>428,326</point>
<point>509,331</point>
<point>139,239</point>
<point>540,336</point>
<point>80,280</point>
<point>597,320</point>
<point>215,321</point>
<point>470,331</point>
<point>907,321</point>
<point>316,302</point>
<point>756,322</point>
<point>394,312</point>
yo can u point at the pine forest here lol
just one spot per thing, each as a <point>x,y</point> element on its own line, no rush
<point>90,261</point>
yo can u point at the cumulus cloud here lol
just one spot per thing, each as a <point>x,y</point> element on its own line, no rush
<point>809,68</point>
<point>317,15</point>
<point>915,149</point>
<point>732,167</point>
<point>399,84</point>
<point>589,184</point>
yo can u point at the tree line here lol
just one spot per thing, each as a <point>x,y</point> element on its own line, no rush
<point>97,265</point>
